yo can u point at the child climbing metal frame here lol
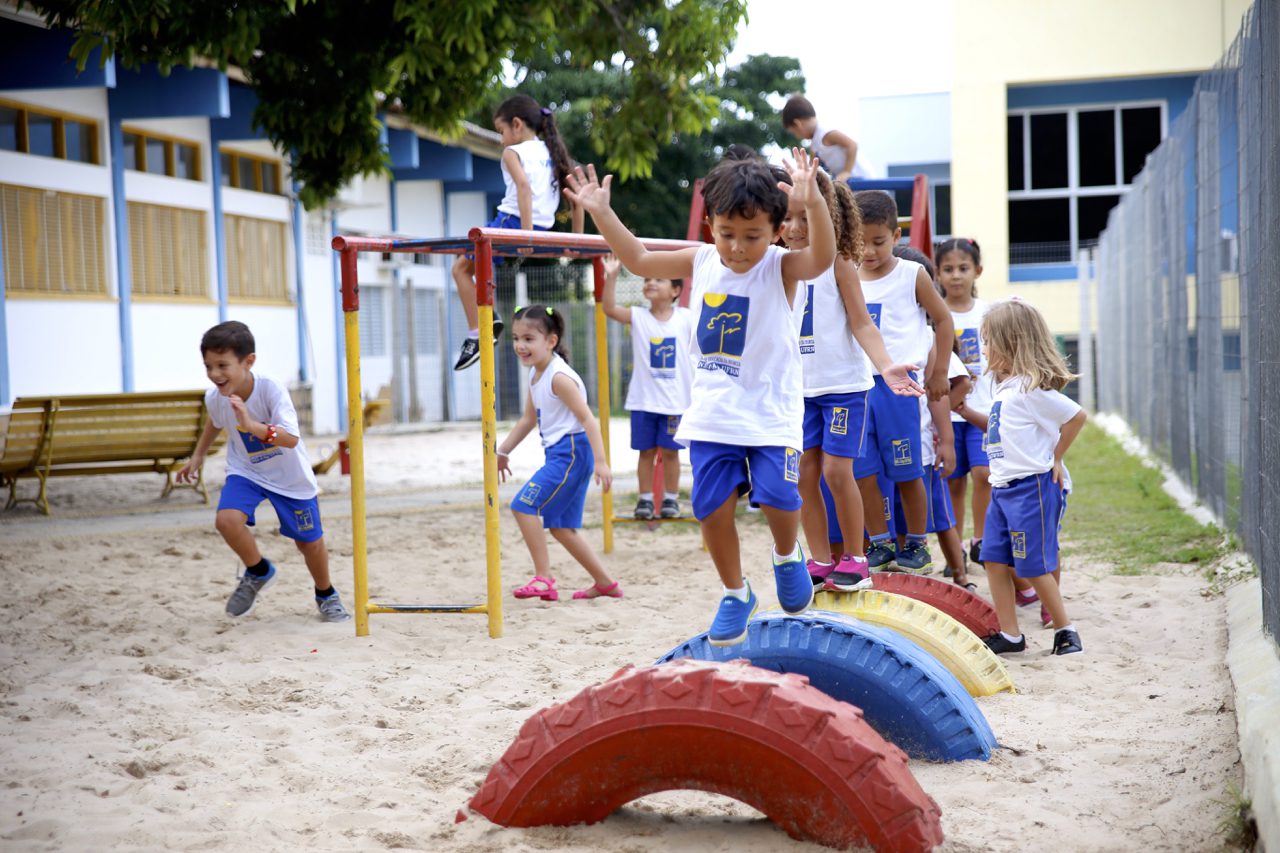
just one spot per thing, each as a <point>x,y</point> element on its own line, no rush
<point>484,244</point>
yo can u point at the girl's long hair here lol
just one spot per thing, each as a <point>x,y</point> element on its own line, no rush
<point>542,122</point>
<point>1019,343</point>
<point>845,216</point>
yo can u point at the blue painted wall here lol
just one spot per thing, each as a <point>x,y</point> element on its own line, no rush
<point>1176,91</point>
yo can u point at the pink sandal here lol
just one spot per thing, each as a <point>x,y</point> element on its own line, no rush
<point>596,591</point>
<point>539,587</point>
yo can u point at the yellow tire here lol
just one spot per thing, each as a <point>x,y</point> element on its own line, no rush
<point>953,645</point>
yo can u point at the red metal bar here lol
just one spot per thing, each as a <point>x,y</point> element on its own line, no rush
<point>564,240</point>
<point>350,280</point>
<point>484,271</point>
<point>921,230</point>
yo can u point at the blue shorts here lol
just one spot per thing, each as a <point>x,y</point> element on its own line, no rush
<point>970,450</point>
<point>299,517</point>
<point>940,515</point>
<point>837,423</point>
<point>650,430</point>
<point>771,474</point>
<point>502,219</point>
<point>1022,525</point>
<point>558,490</point>
<point>893,436</point>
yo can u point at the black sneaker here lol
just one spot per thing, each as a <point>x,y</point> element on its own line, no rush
<point>498,326</point>
<point>879,557</point>
<point>998,644</point>
<point>469,354</point>
<point>975,548</point>
<point>644,509</point>
<point>1067,642</point>
<point>670,508</point>
<point>914,559</point>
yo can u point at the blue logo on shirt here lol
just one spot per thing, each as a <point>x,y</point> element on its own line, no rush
<point>806,325</point>
<point>662,357</point>
<point>991,441</point>
<point>970,348</point>
<point>873,308</point>
<point>722,332</point>
<point>258,450</point>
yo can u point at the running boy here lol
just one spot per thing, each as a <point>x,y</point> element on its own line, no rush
<point>744,424</point>
<point>901,299</point>
<point>661,372</point>
<point>268,462</point>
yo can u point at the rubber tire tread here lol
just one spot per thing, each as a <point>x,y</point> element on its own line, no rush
<point>955,646</point>
<point>811,764</point>
<point>968,608</point>
<point>906,695</point>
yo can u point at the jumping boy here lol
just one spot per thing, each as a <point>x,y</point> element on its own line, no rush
<point>743,427</point>
<point>899,293</point>
<point>265,461</point>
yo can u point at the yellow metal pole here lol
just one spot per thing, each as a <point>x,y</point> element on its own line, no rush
<point>489,428</point>
<point>602,392</point>
<point>355,440</point>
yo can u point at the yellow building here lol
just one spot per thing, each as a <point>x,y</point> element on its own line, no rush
<point>1054,108</point>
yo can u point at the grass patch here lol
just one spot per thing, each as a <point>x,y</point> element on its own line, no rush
<point>1120,509</point>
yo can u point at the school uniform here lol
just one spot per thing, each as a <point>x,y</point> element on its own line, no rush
<point>557,492</point>
<point>940,513</point>
<point>1026,505</point>
<point>837,373</point>
<point>257,471</point>
<point>661,376</point>
<point>744,424</point>
<point>969,438</point>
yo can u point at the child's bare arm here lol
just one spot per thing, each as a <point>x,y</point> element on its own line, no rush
<point>972,416</point>
<point>960,386</point>
<point>1066,435</point>
<point>565,388</point>
<point>522,427</point>
<point>813,260</point>
<point>259,430</point>
<point>946,451</point>
<point>943,331</point>
<point>578,219</point>
<point>896,376</point>
<point>524,191</point>
<point>592,194</point>
<point>191,470</point>
<point>608,299</point>
<point>836,137</point>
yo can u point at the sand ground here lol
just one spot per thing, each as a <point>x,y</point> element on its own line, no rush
<point>135,715</point>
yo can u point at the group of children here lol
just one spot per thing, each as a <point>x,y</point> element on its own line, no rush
<point>823,369</point>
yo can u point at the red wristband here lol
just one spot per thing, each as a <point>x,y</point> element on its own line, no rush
<point>270,437</point>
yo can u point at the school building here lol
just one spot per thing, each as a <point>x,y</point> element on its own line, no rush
<point>137,210</point>
<point>1053,109</point>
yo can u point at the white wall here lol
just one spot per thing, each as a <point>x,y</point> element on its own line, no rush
<point>906,129</point>
<point>365,206</point>
<point>63,347</point>
<point>275,331</point>
<point>166,345</point>
<point>421,208</point>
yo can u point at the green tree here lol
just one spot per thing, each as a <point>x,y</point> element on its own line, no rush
<point>587,103</point>
<point>322,69</point>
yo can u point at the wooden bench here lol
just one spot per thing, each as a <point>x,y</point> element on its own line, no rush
<point>102,434</point>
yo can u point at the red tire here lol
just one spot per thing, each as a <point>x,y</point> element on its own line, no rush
<point>969,609</point>
<point>809,763</point>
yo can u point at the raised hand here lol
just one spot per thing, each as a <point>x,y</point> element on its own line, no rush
<point>803,170</point>
<point>612,266</point>
<point>587,190</point>
<point>241,411</point>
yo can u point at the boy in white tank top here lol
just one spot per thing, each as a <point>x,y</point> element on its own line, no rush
<point>744,424</point>
<point>661,373</point>
<point>899,295</point>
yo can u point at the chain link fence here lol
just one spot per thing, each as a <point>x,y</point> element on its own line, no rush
<point>1188,282</point>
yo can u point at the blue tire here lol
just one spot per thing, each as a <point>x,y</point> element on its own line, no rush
<point>905,695</point>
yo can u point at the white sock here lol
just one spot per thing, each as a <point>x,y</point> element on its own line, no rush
<point>473,333</point>
<point>741,593</point>
<point>792,557</point>
<point>1070,627</point>
<point>1011,638</point>
<point>645,496</point>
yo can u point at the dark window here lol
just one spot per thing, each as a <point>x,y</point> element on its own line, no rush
<point>1048,151</point>
<point>8,129</point>
<point>1097,148</point>
<point>40,133</point>
<point>227,178</point>
<point>1091,214</point>
<point>1015,154</point>
<point>269,179</point>
<point>942,203</point>
<point>81,141</point>
<point>1140,127</point>
<point>155,156</point>
<point>245,178</point>
<point>129,152</point>
<point>1040,230</point>
<point>184,161</point>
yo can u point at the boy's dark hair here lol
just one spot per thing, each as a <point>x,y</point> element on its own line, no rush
<point>878,208</point>
<point>232,336</point>
<point>797,107</point>
<point>911,253</point>
<point>546,318</point>
<point>541,121</point>
<point>744,188</point>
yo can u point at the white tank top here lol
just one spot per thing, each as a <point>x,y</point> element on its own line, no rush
<point>969,333</point>
<point>535,159</point>
<point>833,362</point>
<point>661,367</point>
<point>555,419</point>
<point>835,157</point>
<point>747,380</point>
<point>891,301</point>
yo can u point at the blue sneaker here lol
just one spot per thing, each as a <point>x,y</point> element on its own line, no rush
<point>880,557</point>
<point>914,559</point>
<point>730,625</point>
<point>795,587</point>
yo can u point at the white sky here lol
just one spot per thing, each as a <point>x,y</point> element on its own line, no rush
<point>851,49</point>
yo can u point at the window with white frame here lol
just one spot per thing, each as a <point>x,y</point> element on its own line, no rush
<point>1068,167</point>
